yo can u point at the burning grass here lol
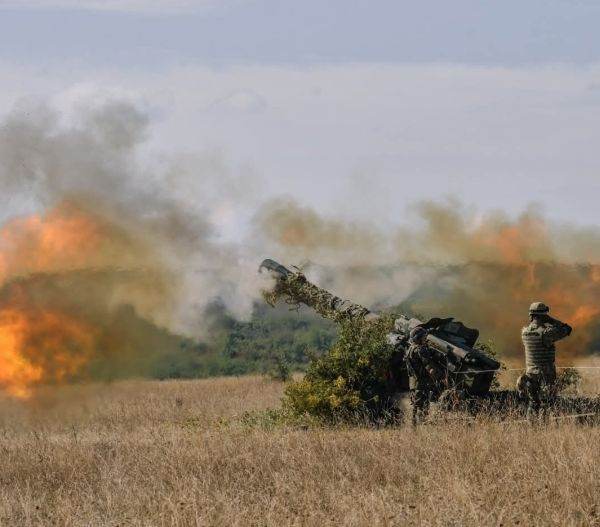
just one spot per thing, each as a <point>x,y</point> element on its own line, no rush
<point>64,276</point>
<point>41,347</point>
<point>184,453</point>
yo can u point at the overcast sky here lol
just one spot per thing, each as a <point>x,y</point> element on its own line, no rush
<point>353,106</point>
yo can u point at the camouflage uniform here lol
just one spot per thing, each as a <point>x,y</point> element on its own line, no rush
<point>423,371</point>
<point>538,381</point>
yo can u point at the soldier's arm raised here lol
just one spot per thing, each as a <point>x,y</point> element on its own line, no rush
<point>557,330</point>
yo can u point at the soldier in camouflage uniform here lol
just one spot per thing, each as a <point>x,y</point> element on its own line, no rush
<point>538,381</point>
<point>424,373</point>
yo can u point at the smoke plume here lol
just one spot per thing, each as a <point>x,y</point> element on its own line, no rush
<point>103,233</point>
<point>484,270</point>
<point>101,249</point>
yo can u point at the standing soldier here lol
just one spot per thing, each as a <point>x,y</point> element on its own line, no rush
<point>538,381</point>
<point>424,373</point>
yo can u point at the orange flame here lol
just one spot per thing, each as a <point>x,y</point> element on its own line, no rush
<point>64,239</point>
<point>507,265</point>
<point>583,315</point>
<point>17,374</point>
<point>40,345</point>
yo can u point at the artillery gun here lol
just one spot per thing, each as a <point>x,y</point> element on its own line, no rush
<point>468,369</point>
<point>470,373</point>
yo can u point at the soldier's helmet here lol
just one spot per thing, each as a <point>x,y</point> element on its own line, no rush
<point>538,308</point>
<point>417,335</point>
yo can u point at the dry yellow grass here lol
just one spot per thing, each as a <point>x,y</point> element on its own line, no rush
<point>177,453</point>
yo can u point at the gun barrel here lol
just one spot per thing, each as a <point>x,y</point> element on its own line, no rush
<point>294,288</point>
<point>274,267</point>
<point>446,347</point>
<point>469,354</point>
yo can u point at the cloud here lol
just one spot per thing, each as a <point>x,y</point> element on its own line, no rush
<point>243,101</point>
<point>364,141</point>
<point>135,6</point>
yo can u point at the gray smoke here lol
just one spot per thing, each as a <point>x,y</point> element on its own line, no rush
<point>167,259</point>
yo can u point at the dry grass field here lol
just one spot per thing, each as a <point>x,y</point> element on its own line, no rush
<point>180,453</point>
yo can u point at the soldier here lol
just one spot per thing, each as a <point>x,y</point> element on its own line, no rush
<point>538,381</point>
<point>424,373</point>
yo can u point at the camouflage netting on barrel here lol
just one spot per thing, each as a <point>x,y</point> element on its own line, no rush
<point>350,382</point>
<point>295,289</point>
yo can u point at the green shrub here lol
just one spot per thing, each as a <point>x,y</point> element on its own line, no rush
<point>280,370</point>
<point>351,380</point>
<point>568,381</point>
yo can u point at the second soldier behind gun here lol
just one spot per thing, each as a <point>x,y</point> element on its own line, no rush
<point>425,373</point>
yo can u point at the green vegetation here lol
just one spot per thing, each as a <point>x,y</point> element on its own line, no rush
<point>352,380</point>
<point>346,364</point>
<point>273,342</point>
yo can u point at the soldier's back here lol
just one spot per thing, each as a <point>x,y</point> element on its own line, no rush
<point>539,351</point>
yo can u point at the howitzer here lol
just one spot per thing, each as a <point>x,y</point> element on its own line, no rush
<point>467,368</point>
